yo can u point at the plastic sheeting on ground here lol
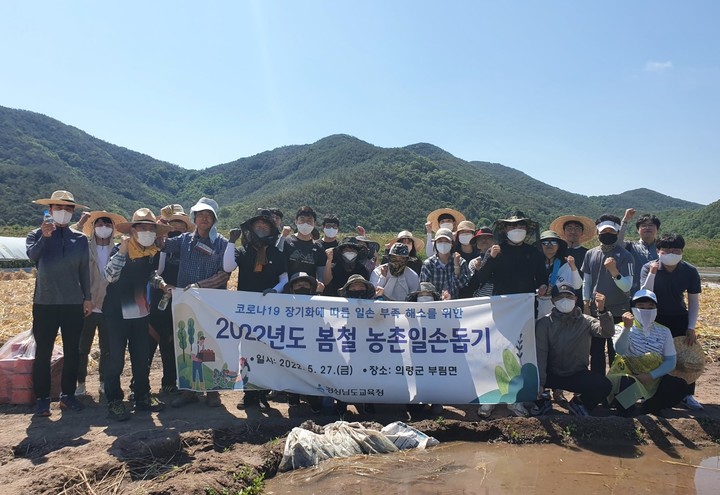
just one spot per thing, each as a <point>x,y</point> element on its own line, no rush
<point>308,446</point>
<point>12,248</point>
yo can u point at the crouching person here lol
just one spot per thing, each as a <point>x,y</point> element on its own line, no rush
<point>131,266</point>
<point>563,339</point>
<point>646,354</point>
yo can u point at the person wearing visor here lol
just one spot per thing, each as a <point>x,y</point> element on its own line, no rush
<point>646,357</point>
<point>671,278</point>
<point>563,338</point>
<point>395,277</point>
<point>133,263</point>
<point>99,227</point>
<point>446,270</point>
<point>62,297</point>
<point>442,218</point>
<point>607,269</point>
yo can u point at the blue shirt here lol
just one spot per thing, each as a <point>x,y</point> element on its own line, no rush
<point>196,264</point>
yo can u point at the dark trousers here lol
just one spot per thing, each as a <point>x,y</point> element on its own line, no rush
<point>131,334</point>
<point>47,318</point>
<point>678,325</point>
<point>591,386</point>
<point>161,335</point>
<point>597,352</point>
<point>93,321</point>
<point>670,391</point>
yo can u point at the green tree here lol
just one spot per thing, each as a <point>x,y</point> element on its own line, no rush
<point>182,338</point>
<point>191,332</point>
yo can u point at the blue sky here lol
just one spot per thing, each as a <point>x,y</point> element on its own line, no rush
<point>591,97</point>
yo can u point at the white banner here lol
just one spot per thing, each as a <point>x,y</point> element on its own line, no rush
<point>479,350</point>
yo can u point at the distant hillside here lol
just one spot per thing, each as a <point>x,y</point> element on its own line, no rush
<point>384,189</point>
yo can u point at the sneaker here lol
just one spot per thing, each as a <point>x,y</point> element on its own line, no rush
<point>168,389</point>
<point>486,410</point>
<point>518,410</point>
<point>542,407</point>
<point>149,403</point>
<point>42,408</point>
<point>213,399</point>
<point>80,390</point>
<point>576,407</point>
<point>184,399</point>
<point>436,409</point>
<point>117,411</point>
<point>70,402</point>
<point>690,402</point>
<point>559,396</point>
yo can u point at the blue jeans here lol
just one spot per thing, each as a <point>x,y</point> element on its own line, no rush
<point>133,335</point>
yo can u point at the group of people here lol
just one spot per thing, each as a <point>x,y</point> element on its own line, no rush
<point>87,282</point>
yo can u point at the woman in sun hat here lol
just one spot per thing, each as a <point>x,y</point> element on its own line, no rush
<point>415,245</point>
<point>445,218</point>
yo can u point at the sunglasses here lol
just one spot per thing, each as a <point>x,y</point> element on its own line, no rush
<point>549,243</point>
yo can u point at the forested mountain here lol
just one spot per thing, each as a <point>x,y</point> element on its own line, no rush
<point>384,189</point>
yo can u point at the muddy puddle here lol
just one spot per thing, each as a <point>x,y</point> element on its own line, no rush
<point>474,468</point>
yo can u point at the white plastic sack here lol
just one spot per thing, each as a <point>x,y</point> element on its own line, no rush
<point>406,437</point>
<point>21,345</point>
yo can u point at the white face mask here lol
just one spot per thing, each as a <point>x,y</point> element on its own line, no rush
<point>146,239</point>
<point>443,247</point>
<point>446,225</point>
<point>670,259</point>
<point>103,232</point>
<point>645,317</point>
<point>564,305</point>
<point>305,228</point>
<point>331,233</point>
<point>349,256</point>
<point>425,298</point>
<point>62,217</point>
<point>517,235</point>
<point>465,239</point>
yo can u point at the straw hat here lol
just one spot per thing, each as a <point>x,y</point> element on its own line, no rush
<point>516,216</point>
<point>89,225</point>
<point>690,360</point>
<point>356,278</point>
<point>174,212</point>
<point>558,225</point>
<point>406,234</point>
<point>143,215</point>
<point>434,215</point>
<point>60,198</point>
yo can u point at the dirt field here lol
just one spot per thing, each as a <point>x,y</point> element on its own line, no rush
<point>197,449</point>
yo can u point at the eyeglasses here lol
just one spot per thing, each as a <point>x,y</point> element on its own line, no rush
<point>549,243</point>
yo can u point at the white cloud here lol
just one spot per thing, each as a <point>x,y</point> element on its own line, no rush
<point>658,66</point>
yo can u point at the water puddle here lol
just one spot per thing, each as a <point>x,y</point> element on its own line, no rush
<point>478,468</point>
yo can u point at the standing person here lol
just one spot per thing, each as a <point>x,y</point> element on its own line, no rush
<point>559,268</point>
<point>483,240</point>
<point>415,245</point>
<point>607,269</point>
<point>648,356</point>
<point>132,265</point>
<point>342,262</point>
<point>62,297</point>
<point>563,338</point>
<point>442,218</point>
<point>466,247</point>
<point>670,278</point>
<point>447,271</point>
<point>201,265</point>
<point>396,279</point>
<point>576,231</point>
<point>161,321</point>
<point>643,250</point>
<point>99,227</point>
<point>514,267</point>
<point>331,227</point>
<point>302,252</point>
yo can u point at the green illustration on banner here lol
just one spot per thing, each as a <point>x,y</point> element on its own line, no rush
<point>197,364</point>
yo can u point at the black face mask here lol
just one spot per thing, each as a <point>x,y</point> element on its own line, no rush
<point>356,294</point>
<point>173,233</point>
<point>305,291</point>
<point>608,238</point>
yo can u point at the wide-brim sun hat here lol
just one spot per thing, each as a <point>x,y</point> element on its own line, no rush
<point>690,360</point>
<point>204,204</point>
<point>369,288</point>
<point>433,217</point>
<point>176,213</point>
<point>64,198</point>
<point>516,216</point>
<point>443,233</point>
<point>265,216</point>
<point>144,216</point>
<point>482,232</point>
<point>558,225</point>
<point>89,225</point>
<point>300,276</point>
<point>406,234</point>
